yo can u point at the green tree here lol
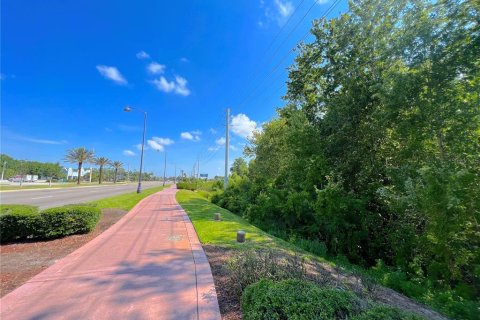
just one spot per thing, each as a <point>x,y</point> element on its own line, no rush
<point>117,165</point>
<point>101,162</point>
<point>240,167</point>
<point>80,156</point>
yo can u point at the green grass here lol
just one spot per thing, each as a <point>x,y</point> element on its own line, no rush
<point>126,201</point>
<point>223,233</point>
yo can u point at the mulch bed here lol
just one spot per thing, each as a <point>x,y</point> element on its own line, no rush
<point>22,260</point>
<point>228,300</point>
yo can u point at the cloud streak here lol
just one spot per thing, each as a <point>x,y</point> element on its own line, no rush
<point>112,73</point>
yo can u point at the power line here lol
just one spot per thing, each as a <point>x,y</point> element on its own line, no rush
<point>247,98</point>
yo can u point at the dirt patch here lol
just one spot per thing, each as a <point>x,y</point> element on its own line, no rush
<point>228,300</point>
<point>321,273</point>
<point>21,261</point>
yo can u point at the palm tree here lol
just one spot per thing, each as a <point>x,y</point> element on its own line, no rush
<point>102,161</point>
<point>79,155</point>
<point>117,165</point>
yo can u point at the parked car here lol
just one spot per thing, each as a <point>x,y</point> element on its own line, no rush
<point>16,179</point>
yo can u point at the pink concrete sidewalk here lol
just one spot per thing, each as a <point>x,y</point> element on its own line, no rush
<point>149,265</point>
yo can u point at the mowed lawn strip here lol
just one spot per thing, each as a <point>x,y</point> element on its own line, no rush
<point>126,201</point>
<point>223,233</point>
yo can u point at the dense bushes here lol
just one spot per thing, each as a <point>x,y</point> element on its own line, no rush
<point>18,222</point>
<point>295,299</point>
<point>299,299</point>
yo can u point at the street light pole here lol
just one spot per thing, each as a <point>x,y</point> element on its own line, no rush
<point>128,109</point>
<point>3,170</point>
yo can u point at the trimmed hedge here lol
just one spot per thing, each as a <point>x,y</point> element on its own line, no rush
<point>18,222</point>
<point>62,221</point>
<point>300,299</point>
<point>295,299</point>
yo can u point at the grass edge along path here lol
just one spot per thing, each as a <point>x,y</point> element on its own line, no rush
<point>126,201</point>
<point>223,234</point>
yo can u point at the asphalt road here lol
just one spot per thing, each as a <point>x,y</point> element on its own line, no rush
<point>47,198</point>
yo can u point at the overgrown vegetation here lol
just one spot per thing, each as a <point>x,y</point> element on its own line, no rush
<point>375,155</point>
<point>264,256</point>
<point>20,222</point>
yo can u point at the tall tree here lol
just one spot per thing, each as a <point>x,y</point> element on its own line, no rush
<point>79,155</point>
<point>117,165</point>
<point>101,162</point>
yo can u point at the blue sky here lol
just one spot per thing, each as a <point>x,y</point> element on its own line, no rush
<point>68,68</point>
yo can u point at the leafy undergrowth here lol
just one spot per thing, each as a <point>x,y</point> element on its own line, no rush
<point>255,259</point>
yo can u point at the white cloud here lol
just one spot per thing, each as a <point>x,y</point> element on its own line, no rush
<point>128,153</point>
<point>139,147</point>
<point>284,8</point>
<point>163,141</point>
<point>212,131</point>
<point>243,126</point>
<point>186,135</point>
<point>190,136</point>
<point>185,60</point>
<point>232,147</point>
<point>179,86</point>
<point>156,68</point>
<point>163,85</point>
<point>143,55</point>
<point>112,73</point>
<point>155,145</point>
<point>196,132</point>
<point>221,141</point>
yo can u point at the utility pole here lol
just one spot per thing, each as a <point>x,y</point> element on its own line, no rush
<point>165,168</point>
<point>175,176</point>
<point>198,167</point>
<point>3,170</point>
<point>225,179</point>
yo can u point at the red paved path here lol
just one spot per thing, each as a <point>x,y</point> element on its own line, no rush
<point>149,265</point>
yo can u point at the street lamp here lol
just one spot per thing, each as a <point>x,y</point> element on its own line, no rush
<point>129,109</point>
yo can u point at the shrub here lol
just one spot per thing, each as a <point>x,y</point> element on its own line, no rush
<point>251,266</point>
<point>296,299</point>
<point>17,221</point>
<point>385,313</point>
<point>62,221</point>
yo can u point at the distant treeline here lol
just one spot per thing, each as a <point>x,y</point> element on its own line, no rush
<point>14,167</point>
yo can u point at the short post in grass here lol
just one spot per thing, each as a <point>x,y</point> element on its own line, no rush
<point>217,216</point>
<point>240,236</point>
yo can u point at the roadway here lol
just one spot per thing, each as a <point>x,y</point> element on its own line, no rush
<point>54,197</point>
